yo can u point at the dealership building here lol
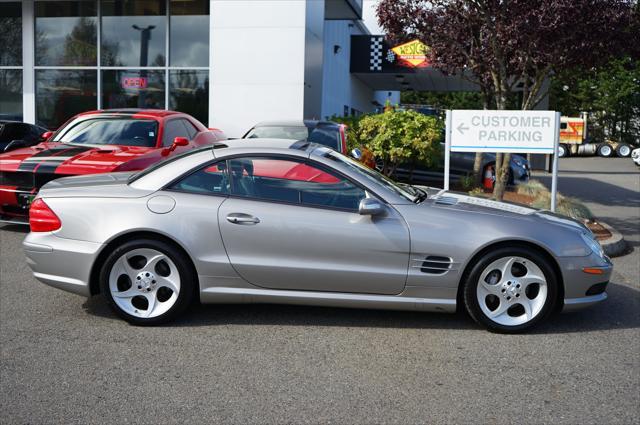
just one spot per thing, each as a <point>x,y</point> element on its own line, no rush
<point>229,63</point>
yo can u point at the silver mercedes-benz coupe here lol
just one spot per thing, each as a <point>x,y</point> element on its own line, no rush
<point>269,221</point>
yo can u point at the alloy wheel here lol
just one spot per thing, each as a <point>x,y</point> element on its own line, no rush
<point>144,283</point>
<point>512,291</point>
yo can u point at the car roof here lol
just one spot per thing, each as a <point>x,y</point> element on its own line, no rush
<point>294,123</point>
<point>265,143</point>
<point>135,112</point>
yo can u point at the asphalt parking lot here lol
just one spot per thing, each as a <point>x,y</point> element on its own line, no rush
<point>68,359</point>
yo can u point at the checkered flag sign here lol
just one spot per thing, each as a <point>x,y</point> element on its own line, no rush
<point>375,52</point>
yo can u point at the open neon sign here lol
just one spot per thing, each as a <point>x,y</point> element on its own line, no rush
<point>134,83</point>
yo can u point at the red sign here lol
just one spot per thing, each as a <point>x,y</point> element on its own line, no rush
<point>134,82</point>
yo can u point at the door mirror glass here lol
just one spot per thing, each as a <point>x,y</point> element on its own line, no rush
<point>356,154</point>
<point>370,206</point>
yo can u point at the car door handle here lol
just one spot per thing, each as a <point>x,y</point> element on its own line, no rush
<point>239,218</point>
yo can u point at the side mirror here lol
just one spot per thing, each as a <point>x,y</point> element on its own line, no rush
<point>356,154</point>
<point>179,141</point>
<point>15,144</point>
<point>370,206</point>
<point>46,136</point>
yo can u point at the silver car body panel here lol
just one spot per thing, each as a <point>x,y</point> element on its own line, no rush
<point>299,254</point>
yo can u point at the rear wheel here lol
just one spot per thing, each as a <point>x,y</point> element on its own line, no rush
<point>605,150</point>
<point>147,282</point>
<point>510,290</point>
<point>623,150</point>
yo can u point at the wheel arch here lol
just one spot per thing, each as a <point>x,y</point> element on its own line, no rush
<point>94,276</point>
<point>510,243</point>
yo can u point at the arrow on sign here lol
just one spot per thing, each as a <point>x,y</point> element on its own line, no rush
<point>462,128</point>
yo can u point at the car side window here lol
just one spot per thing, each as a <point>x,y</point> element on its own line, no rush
<point>173,129</point>
<point>292,181</point>
<point>191,130</point>
<point>211,179</point>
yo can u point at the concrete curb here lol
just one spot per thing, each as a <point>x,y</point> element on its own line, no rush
<point>615,246</point>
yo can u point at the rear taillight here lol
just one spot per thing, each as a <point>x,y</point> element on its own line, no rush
<point>42,218</point>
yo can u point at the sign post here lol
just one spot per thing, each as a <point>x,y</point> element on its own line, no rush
<point>554,174</point>
<point>503,131</point>
<point>447,150</point>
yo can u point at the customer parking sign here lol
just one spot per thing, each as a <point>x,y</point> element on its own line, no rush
<point>502,131</point>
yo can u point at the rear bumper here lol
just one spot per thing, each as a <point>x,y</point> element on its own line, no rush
<point>62,263</point>
<point>582,290</point>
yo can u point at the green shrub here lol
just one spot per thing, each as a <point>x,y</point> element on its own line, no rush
<point>397,137</point>
<point>468,183</point>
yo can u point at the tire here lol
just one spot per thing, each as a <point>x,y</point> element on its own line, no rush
<point>151,272</point>
<point>512,316</point>
<point>563,151</point>
<point>623,150</point>
<point>605,150</point>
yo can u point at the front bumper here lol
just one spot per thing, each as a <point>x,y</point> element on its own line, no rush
<point>582,289</point>
<point>15,201</point>
<point>62,263</point>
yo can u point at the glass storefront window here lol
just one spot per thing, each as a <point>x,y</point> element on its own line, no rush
<point>133,89</point>
<point>189,93</point>
<point>60,94</point>
<point>11,94</point>
<point>11,34</point>
<point>189,34</point>
<point>66,33</point>
<point>133,33</point>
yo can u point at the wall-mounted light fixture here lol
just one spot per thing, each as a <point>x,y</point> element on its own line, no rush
<point>336,49</point>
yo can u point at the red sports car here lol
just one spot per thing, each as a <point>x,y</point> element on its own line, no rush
<point>96,142</point>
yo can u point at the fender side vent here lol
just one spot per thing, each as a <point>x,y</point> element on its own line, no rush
<point>436,265</point>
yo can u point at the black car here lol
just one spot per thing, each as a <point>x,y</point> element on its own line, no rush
<point>21,134</point>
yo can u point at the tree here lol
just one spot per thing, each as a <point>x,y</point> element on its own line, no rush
<point>511,45</point>
<point>610,94</point>
<point>397,137</point>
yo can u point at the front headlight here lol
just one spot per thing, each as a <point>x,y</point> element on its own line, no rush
<point>592,243</point>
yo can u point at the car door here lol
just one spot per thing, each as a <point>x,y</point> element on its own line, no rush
<point>294,225</point>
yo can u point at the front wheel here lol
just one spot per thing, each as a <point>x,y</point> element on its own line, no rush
<point>510,290</point>
<point>563,151</point>
<point>147,282</point>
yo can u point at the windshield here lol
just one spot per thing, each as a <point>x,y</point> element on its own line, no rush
<point>124,131</point>
<point>371,175</point>
<point>323,134</point>
<point>281,132</point>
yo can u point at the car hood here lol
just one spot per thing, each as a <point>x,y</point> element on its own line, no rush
<point>464,202</point>
<point>61,158</point>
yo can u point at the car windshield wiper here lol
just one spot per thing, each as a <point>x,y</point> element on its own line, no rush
<point>421,194</point>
